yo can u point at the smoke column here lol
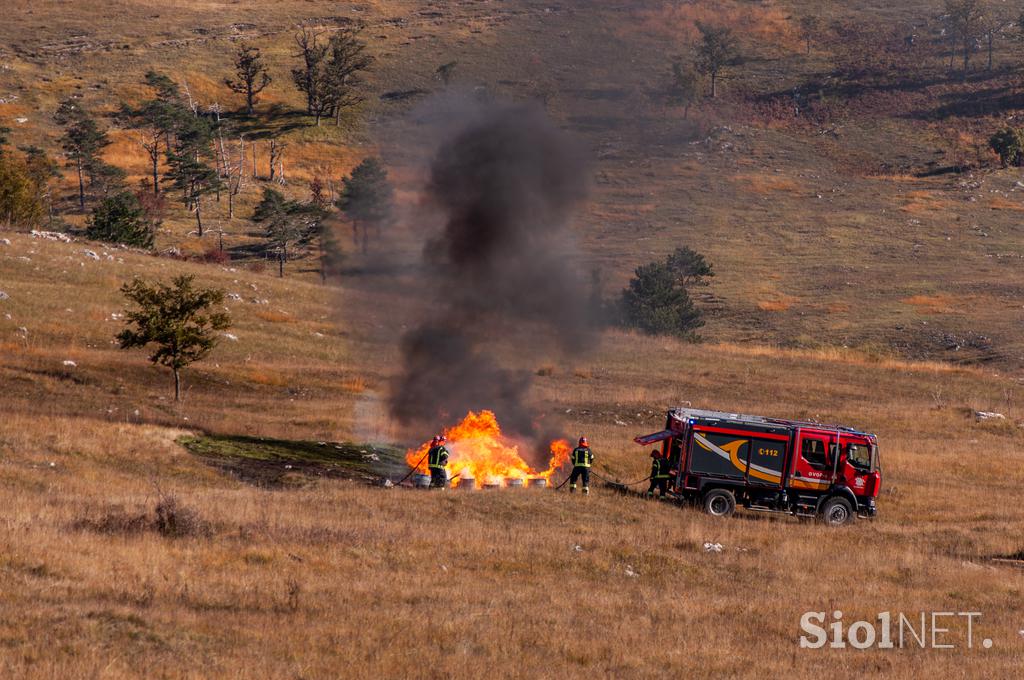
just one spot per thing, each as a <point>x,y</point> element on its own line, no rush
<point>506,182</point>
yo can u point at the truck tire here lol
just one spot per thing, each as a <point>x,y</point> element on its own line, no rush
<point>719,503</point>
<point>837,511</point>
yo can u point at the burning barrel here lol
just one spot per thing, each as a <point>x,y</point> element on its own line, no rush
<point>421,481</point>
<point>466,483</point>
<point>537,483</point>
<point>514,483</point>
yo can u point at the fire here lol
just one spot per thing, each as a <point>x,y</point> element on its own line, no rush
<point>479,451</point>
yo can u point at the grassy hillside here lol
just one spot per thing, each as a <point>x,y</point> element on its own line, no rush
<point>325,574</point>
<point>861,279</point>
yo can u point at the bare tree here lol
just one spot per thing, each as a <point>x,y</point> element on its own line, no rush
<point>276,160</point>
<point>236,176</point>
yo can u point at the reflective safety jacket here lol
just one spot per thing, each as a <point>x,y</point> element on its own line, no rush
<point>437,457</point>
<point>582,456</point>
<point>659,468</point>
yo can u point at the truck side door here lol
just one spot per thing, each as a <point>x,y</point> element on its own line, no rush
<point>812,465</point>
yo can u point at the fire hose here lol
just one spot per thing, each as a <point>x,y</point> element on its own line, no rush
<point>606,481</point>
<point>414,469</point>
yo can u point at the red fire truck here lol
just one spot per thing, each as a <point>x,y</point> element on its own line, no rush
<point>803,468</point>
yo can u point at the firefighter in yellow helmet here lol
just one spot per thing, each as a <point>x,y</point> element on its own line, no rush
<point>582,459</point>
<point>437,459</point>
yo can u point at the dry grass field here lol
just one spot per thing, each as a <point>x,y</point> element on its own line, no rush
<point>329,578</point>
<point>857,281</point>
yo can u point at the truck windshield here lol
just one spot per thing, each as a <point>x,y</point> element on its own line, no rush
<point>859,456</point>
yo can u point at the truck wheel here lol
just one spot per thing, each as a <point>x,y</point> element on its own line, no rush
<point>836,512</point>
<point>719,503</point>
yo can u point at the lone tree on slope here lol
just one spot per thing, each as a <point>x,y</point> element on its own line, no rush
<point>251,75</point>
<point>177,318</point>
<point>718,50</point>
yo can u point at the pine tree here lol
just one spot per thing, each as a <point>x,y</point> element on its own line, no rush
<point>331,72</point>
<point>189,160</point>
<point>83,141</point>
<point>156,121</point>
<point>656,302</point>
<point>366,199</point>
<point>286,223</point>
<point>251,75</point>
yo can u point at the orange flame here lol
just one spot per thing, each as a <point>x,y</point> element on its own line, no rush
<point>480,452</point>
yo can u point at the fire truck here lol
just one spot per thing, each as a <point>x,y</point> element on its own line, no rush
<point>721,460</point>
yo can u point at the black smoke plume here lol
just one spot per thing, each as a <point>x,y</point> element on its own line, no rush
<point>507,183</point>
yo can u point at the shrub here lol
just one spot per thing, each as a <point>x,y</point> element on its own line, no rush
<point>120,219</point>
<point>169,518</point>
<point>1009,144</point>
<point>216,256</point>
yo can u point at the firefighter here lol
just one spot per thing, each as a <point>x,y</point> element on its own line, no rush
<point>437,459</point>
<point>659,474</point>
<point>582,459</point>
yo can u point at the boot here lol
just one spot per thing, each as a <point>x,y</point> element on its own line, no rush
<point>572,488</point>
<point>586,491</point>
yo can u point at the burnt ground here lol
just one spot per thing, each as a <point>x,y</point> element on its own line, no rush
<point>280,463</point>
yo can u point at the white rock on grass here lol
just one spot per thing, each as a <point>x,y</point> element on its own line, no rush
<point>5,241</point>
<point>69,363</point>
<point>4,296</point>
<point>52,236</point>
<point>989,415</point>
<point>713,547</point>
<point>231,336</point>
<point>91,254</point>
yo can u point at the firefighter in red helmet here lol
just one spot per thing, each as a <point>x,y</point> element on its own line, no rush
<point>437,459</point>
<point>582,459</point>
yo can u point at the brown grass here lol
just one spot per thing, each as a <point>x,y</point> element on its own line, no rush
<point>1000,203</point>
<point>275,316</point>
<point>933,304</point>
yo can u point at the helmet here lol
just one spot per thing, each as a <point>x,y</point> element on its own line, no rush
<point>441,439</point>
<point>655,453</point>
<point>434,440</point>
<point>583,441</point>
